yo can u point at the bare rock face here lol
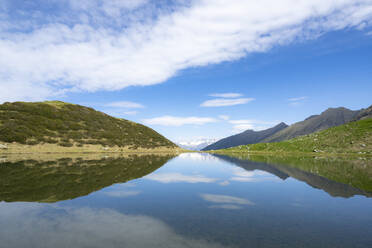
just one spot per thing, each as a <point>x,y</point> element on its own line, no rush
<point>3,146</point>
<point>364,114</point>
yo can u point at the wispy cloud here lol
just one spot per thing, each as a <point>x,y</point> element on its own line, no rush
<point>179,178</point>
<point>225,199</point>
<point>224,183</point>
<point>119,113</point>
<point>220,102</point>
<point>241,175</point>
<point>224,117</point>
<point>226,206</point>
<point>124,104</point>
<point>226,95</point>
<point>296,101</point>
<point>90,227</point>
<point>86,46</point>
<point>178,121</point>
<point>130,112</point>
<point>242,125</point>
<point>122,194</point>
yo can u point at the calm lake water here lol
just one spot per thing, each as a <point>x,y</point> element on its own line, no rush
<point>192,200</point>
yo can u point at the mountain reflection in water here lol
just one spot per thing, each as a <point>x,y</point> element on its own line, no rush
<point>67,178</point>
<point>333,188</point>
<point>192,200</point>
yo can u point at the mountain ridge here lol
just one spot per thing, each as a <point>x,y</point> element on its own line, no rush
<point>354,138</point>
<point>245,138</point>
<point>330,117</point>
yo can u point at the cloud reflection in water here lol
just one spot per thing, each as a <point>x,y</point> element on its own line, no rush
<point>48,226</point>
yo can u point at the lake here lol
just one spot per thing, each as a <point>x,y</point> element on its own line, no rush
<point>190,200</point>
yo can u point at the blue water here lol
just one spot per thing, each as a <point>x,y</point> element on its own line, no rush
<point>194,200</point>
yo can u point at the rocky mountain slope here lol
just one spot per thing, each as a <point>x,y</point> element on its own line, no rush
<point>352,138</point>
<point>330,118</point>
<point>246,137</point>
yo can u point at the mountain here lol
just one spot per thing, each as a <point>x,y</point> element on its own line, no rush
<point>34,180</point>
<point>324,173</point>
<point>330,118</point>
<point>246,137</point>
<point>56,124</point>
<point>196,145</point>
<point>352,138</point>
<point>364,114</point>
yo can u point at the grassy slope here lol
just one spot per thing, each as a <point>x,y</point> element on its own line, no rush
<point>66,178</point>
<point>351,171</point>
<point>354,137</point>
<point>70,125</point>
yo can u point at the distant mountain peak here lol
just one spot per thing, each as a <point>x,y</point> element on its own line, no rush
<point>329,118</point>
<point>281,124</point>
<point>246,137</point>
<point>196,144</point>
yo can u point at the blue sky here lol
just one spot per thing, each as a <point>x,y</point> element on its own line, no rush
<point>190,69</point>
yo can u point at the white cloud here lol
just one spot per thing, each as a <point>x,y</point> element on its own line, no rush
<point>226,206</point>
<point>130,112</point>
<point>226,199</point>
<point>122,193</point>
<point>224,117</point>
<point>296,99</point>
<point>89,54</point>
<point>224,183</point>
<point>226,95</point>
<point>179,178</point>
<point>178,121</point>
<point>241,175</point>
<point>257,125</point>
<point>243,127</point>
<point>113,7</point>
<point>124,104</point>
<point>220,102</point>
<point>121,108</point>
<point>198,157</point>
<point>87,227</point>
<point>109,7</point>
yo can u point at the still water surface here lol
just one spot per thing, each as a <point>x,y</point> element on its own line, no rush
<point>193,200</point>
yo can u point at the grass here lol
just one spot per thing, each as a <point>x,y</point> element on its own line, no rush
<point>352,138</point>
<point>45,148</point>
<point>67,178</point>
<point>70,125</point>
<point>353,171</point>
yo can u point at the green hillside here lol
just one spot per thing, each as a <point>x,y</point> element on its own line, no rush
<point>66,178</point>
<point>332,117</point>
<point>70,125</point>
<point>354,137</point>
<point>338,170</point>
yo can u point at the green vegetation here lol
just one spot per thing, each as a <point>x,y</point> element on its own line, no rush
<point>69,125</point>
<point>352,138</point>
<point>66,178</point>
<point>355,172</point>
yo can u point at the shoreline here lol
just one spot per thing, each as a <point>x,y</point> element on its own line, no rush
<point>281,153</point>
<point>14,149</point>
